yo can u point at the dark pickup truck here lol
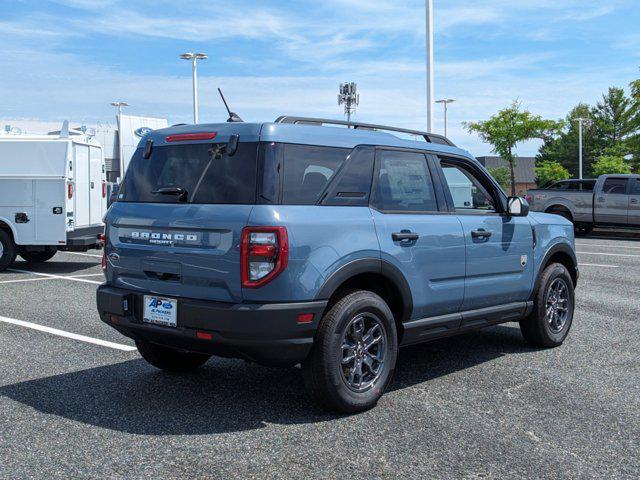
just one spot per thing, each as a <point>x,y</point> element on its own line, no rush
<point>609,201</point>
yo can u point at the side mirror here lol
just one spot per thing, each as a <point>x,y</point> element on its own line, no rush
<point>232,145</point>
<point>518,207</point>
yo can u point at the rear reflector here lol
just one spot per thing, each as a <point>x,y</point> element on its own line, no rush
<point>70,191</point>
<point>305,318</point>
<point>184,137</point>
<point>104,189</point>
<point>204,335</point>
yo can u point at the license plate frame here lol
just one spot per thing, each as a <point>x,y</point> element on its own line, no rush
<point>161,311</point>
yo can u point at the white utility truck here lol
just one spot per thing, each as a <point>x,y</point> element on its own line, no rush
<point>52,194</point>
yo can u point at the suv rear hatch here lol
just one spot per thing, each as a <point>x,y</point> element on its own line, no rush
<point>176,227</point>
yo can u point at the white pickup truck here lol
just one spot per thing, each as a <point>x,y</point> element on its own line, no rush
<point>609,201</point>
<point>52,195</point>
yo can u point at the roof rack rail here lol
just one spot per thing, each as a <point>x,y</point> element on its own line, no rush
<point>428,137</point>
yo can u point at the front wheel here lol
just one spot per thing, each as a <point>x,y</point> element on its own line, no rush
<point>549,323</point>
<point>33,255</point>
<point>354,354</point>
<point>170,359</point>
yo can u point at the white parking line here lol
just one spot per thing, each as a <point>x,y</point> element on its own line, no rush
<point>26,280</point>
<point>608,254</point>
<point>62,333</point>
<point>86,275</point>
<point>84,254</point>
<point>596,265</point>
<point>48,275</point>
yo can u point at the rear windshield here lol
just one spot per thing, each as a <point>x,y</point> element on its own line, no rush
<point>192,173</point>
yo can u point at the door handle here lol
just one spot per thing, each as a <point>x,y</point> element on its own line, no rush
<point>480,234</point>
<point>405,235</point>
<point>634,201</point>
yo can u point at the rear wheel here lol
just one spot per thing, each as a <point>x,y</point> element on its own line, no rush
<point>170,359</point>
<point>354,354</point>
<point>549,323</point>
<point>35,255</point>
<point>7,250</point>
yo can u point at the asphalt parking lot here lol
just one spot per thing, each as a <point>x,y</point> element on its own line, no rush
<point>77,401</point>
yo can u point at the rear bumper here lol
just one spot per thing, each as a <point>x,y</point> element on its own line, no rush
<point>83,239</point>
<point>265,333</point>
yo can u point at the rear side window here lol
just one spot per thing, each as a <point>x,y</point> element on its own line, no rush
<point>615,186</point>
<point>195,170</point>
<point>404,183</point>
<point>307,171</point>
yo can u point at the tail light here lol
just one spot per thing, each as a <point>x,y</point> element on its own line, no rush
<point>185,137</point>
<point>103,241</point>
<point>104,189</point>
<point>265,254</point>
<point>528,198</point>
<point>69,191</point>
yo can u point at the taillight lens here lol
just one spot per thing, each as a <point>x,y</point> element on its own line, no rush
<point>265,254</point>
<point>528,198</point>
<point>103,241</point>
<point>185,137</point>
<point>69,191</point>
<point>104,189</point>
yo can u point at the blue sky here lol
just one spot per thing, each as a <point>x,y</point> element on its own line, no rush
<point>71,58</point>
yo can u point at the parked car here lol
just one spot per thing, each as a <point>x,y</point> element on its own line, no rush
<point>292,242</point>
<point>52,195</point>
<point>609,201</point>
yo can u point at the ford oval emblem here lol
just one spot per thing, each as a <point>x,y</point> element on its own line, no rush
<point>142,131</point>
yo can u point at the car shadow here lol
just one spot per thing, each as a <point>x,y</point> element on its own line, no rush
<point>605,234</point>
<point>229,395</point>
<point>56,268</point>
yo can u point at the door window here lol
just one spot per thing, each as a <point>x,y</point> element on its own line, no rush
<point>613,186</point>
<point>404,183</point>
<point>635,187</point>
<point>467,191</point>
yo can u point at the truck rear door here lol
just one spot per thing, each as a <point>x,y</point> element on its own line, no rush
<point>95,186</point>
<point>81,194</point>
<point>611,204</point>
<point>634,203</point>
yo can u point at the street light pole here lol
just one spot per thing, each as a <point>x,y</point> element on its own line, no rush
<point>119,106</point>
<point>446,103</point>
<point>194,57</point>
<point>430,77</point>
<point>581,122</point>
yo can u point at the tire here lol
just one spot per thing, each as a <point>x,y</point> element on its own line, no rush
<point>583,230</point>
<point>332,383</point>
<point>538,328</point>
<point>8,250</point>
<point>37,256</point>
<point>170,359</point>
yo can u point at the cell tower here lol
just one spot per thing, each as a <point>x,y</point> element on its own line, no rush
<point>349,97</point>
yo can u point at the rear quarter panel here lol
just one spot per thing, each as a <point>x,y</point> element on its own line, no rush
<point>580,204</point>
<point>322,239</point>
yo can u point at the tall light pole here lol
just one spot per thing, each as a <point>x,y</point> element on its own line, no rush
<point>194,57</point>
<point>581,122</point>
<point>119,106</point>
<point>446,103</point>
<point>430,86</point>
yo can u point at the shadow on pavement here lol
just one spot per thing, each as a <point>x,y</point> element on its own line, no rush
<point>604,234</point>
<point>229,395</point>
<point>57,268</point>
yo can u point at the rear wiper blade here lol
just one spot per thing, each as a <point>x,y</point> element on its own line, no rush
<point>179,191</point>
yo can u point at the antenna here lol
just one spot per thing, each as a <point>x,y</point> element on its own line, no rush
<point>233,117</point>
<point>349,97</point>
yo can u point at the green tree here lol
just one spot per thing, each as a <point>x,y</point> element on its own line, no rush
<point>564,147</point>
<point>548,172</point>
<point>610,164</point>
<point>510,127</point>
<point>502,176</point>
<point>615,119</point>
<point>634,140</point>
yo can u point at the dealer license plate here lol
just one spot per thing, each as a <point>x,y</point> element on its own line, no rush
<point>160,311</point>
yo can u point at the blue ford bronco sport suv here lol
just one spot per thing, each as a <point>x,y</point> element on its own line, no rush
<point>299,242</point>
